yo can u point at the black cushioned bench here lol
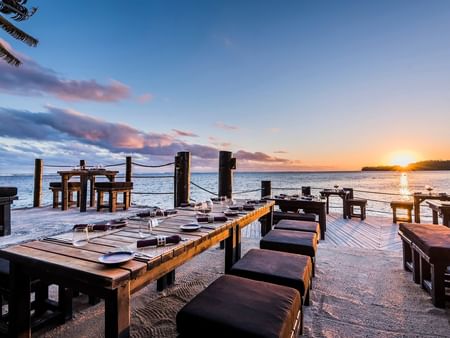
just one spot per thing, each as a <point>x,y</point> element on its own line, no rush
<point>277,267</point>
<point>306,226</point>
<point>426,251</point>
<point>239,307</point>
<point>298,242</point>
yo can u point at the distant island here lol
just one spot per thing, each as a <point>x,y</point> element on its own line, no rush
<point>422,165</point>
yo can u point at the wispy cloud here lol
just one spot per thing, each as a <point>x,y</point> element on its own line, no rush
<point>258,157</point>
<point>32,79</point>
<point>280,152</point>
<point>218,143</point>
<point>144,98</point>
<point>184,133</point>
<point>222,125</point>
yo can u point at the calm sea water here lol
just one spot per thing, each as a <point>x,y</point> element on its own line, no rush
<point>364,182</point>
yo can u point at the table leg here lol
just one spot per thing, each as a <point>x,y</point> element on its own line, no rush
<point>230,250</point>
<point>92,191</point>
<point>416,209</point>
<point>19,304</point>
<point>117,313</point>
<point>266,222</point>
<point>83,193</point>
<point>65,192</point>
<point>435,217</point>
<point>446,218</point>
<point>322,223</point>
<point>438,284</point>
<point>328,204</point>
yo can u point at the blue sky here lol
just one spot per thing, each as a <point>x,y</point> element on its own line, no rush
<point>292,85</point>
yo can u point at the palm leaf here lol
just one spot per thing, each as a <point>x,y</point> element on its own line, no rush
<point>8,57</point>
<point>17,33</point>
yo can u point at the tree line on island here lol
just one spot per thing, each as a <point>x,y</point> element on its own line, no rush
<point>422,165</point>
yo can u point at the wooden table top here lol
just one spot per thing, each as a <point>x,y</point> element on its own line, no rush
<point>57,255</point>
<point>88,172</point>
<point>438,204</point>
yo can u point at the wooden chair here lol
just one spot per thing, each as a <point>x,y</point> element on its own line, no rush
<point>350,202</point>
<point>112,189</point>
<point>56,188</point>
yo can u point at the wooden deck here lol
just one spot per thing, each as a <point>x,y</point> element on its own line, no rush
<point>373,233</point>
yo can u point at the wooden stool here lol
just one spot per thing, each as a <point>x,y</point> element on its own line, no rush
<point>405,205</point>
<point>307,226</point>
<point>112,188</point>
<point>239,307</point>
<point>349,208</point>
<point>7,196</point>
<point>56,188</point>
<point>298,242</point>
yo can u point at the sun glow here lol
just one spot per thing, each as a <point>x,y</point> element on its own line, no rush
<point>403,159</point>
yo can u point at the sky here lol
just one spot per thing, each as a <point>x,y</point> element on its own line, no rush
<point>286,86</point>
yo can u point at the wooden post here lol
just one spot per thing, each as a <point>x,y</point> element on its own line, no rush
<point>182,178</point>
<point>226,164</point>
<point>266,189</point>
<point>128,174</point>
<point>82,164</point>
<point>38,172</point>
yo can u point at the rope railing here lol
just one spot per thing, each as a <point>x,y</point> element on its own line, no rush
<point>153,166</point>
<point>204,189</point>
<point>113,165</point>
<point>160,176</point>
<point>58,166</point>
<point>246,191</point>
<point>151,193</point>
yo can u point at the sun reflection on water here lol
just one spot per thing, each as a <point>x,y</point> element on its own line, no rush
<point>404,186</point>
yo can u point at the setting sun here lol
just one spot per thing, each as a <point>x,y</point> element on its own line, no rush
<point>403,158</point>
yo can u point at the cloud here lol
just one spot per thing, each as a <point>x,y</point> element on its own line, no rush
<point>224,126</point>
<point>31,79</point>
<point>274,130</point>
<point>144,98</point>
<point>218,143</point>
<point>280,152</point>
<point>258,157</point>
<point>183,133</point>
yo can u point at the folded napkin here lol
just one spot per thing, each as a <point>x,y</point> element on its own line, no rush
<point>192,204</point>
<point>256,201</point>
<point>248,207</point>
<point>100,227</point>
<point>211,219</point>
<point>159,241</point>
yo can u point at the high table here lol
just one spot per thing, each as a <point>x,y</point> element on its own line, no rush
<point>315,206</point>
<point>440,208</point>
<point>85,175</point>
<point>57,260</point>
<point>334,192</point>
<point>420,197</point>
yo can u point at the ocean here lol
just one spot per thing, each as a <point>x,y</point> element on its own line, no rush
<point>377,187</point>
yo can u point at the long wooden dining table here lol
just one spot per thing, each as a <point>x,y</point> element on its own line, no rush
<point>57,260</point>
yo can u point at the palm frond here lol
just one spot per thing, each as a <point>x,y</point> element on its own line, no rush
<point>17,7</point>
<point>8,57</point>
<point>17,33</point>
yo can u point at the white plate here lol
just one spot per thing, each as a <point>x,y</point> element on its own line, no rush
<point>189,227</point>
<point>116,257</point>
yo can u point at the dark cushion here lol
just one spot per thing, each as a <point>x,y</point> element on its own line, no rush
<point>114,185</point>
<point>432,239</point>
<point>276,267</point>
<point>238,307</point>
<point>279,215</point>
<point>308,226</point>
<point>299,242</point>
<point>8,191</point>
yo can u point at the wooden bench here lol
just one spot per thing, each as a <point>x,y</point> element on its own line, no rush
<point>403,205</point>
<point>112,189</point>
<point>426,251</point>
<point>56,188</point>
<point>239,307</point>
<point>7,196</point>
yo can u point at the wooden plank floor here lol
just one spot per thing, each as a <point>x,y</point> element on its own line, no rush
<point>374,232</point>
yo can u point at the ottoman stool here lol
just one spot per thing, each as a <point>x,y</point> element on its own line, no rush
<point>239,307</point>
<point>298,242</point>
<point>305,226</point>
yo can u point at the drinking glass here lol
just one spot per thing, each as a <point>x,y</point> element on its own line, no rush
<point>80,237</point>
<point>152,222</point>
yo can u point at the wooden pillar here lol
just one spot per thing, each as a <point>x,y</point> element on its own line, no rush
<point>266,189</point>
<point>226,164</point>
<point>38,172</point>
<point>82,164</point>
<point>182,178</point>
<point>128,174</point>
